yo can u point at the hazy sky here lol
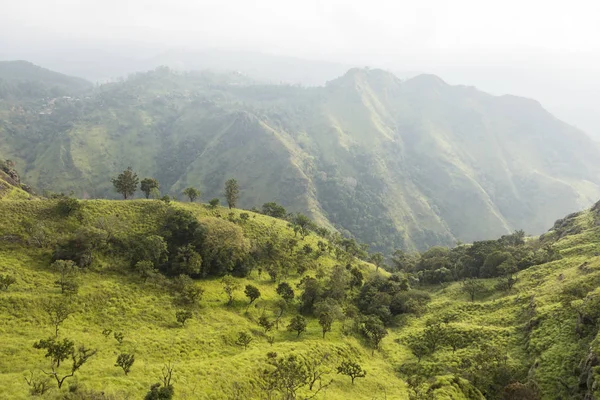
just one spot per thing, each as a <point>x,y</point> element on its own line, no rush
<point>545,49</point>
<point>378,29</point>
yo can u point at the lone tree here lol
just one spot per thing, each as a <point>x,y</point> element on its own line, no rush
<point>244,339</point>
<point>58,312</point>
<point>374,330</point>
<point>147,185</point>
<point>274,210</point>
<point>377,259</point>
<point>351,369</point>
<point>126,183</point>
<point>297,324</point>
<point>417,347</point>
<point>285,291</point>
<point>301,223</point>
<point>182,316</point>
<point>164,390</point>
<point>325,320</point>
<point>472,287</point>
<point>125,361</point>
<point>252,293</point>
<point>67,271</point>
<point>232,192</point>
<point>230,285</point>
<point>59,351</point>
<point>265,323</point>
<point>191,193</point>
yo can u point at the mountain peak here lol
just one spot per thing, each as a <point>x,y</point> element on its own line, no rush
<point>372,76</point>
<point>426,80</point>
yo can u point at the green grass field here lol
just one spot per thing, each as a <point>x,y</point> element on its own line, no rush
<point>210,365</point>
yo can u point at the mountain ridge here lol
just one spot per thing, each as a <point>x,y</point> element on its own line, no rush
<point>392,162</point>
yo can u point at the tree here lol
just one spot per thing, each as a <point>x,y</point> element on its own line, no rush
<point>125,361</point>
<point>67,270</point>
<point>187,261</point>
<point>126,183</point>
<point>244,339</point>
<point>433,335</point>
<point>285,291</point>
<point>274,210</point>
<point>230,286</point>
<point>325,320</point>
<point>454,339</point>
<point>374,330</point>
<point>158,392</point>
<point>146,269</point>
<point>182,316</point>
<point>281,307</point>
<point>356,278</point>
<point>472,287</point>
<point>59,351</point>
<point>147,185</point>
<point>252,293</point>
<point>351,369</point>
<point>377,259</point>
<point>186,290</point>
<point>265,323</point>
<point>214,202</point>
<point>418,348</point>
<point>232,192</point>
<point>6,281</point>
<point>192,193</point>
<point>297,324</point>
<point>164,390</point>
<point>58,312</point>
<point>119,337</point>
<point>301,223</point>
<point>285,374</point>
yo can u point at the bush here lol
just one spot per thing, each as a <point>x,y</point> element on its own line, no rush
<point>67,206</point>
<point>411,302</point>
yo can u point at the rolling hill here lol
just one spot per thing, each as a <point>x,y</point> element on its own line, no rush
<point>396,164</point>
<point>536,340</point>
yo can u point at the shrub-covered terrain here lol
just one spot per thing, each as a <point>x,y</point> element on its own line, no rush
<point>161,299</point>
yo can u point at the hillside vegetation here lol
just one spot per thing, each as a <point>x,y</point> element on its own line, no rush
<point>120,270</point>
<point>395,164</point>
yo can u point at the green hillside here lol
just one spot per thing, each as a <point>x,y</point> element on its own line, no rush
<point>396,164</point>
<point>535,338</point>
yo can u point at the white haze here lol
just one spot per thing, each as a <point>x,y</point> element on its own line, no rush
<point>548,50</point>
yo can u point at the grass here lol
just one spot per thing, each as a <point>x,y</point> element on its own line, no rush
<point>208,363</point>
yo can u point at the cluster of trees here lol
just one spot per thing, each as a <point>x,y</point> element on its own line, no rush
<point>127,182</point>
<point>482,259</point>
<point>289,375</point>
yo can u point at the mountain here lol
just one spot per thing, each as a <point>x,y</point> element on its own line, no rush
<point>396,164</point>
<point>266,68</point>
<point>30,80</point>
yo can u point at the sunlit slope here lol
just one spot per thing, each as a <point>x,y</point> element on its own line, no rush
<point>397,164</point>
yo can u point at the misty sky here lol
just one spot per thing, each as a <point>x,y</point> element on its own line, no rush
<point>545,49</point>
<point>352,29</point>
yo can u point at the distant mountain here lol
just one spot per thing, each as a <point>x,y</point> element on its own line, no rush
<point>397,164</point>
<point>31,80</point>
<point>266,68</point>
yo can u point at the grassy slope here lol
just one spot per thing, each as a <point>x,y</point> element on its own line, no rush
<point>8,191</point>
<point>208,363</point>
<point>551,351</point>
